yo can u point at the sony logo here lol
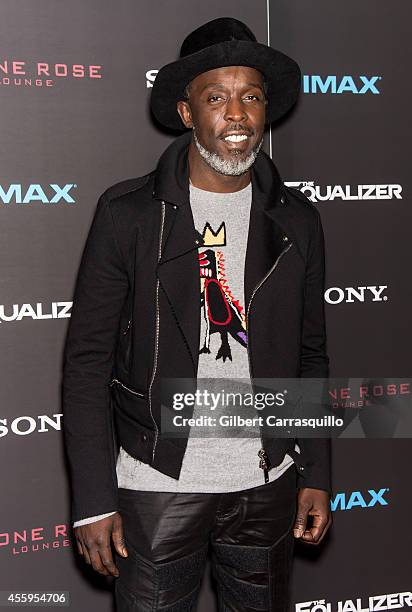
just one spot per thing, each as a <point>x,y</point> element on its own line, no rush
<point>372,293</point>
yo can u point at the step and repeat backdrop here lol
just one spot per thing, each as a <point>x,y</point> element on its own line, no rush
<point>75,81</point>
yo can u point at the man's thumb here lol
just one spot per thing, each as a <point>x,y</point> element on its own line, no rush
<point>118,538</point>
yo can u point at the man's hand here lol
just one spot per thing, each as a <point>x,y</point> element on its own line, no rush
<point>94,543</point>
<point>315,503</point>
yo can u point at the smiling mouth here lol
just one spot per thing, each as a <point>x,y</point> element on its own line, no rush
<point>236,138</point>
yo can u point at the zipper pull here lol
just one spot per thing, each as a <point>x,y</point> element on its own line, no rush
<point>263,463</point>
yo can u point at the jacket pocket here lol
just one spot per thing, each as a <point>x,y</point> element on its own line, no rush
<point>127,388</point>
<point>131,403</point>
<point>124,349</point>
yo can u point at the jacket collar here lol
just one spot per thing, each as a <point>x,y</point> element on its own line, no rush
<point>171,181</point>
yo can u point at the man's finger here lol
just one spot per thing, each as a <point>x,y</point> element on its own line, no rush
<point>325,529</point>
<point>307,537</point>
<point>315,532</point>
<point>301,520</point>
<point>107,560</point>
<point>79,547</point>
<point>118,537</point>
<point>318,531</point>
<point>97,562</point>
<point>86,554</point>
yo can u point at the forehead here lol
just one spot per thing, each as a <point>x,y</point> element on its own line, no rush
<point>228,75</point>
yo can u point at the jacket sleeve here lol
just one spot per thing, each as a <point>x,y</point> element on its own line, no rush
<point>100,291</point>
<point>314,358</point>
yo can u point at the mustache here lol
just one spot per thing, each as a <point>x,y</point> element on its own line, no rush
<point>237,127</point>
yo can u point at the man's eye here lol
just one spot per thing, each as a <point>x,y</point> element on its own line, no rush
<point>252,96</point>
<point>214,98</point>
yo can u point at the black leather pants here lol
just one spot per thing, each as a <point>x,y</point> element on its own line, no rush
<point>168,536</point>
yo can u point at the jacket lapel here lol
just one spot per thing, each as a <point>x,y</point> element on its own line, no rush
<point>178,269</point>
<point>179,275</point>
<point>270,229</point>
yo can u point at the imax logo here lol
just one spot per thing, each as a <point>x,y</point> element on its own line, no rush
<point>357,499</point>
<point>315,83</point>
<point>52,194</point>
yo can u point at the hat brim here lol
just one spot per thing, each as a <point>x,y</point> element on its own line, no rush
<point>281,73</point>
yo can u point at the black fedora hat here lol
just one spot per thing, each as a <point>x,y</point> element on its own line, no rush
<point>218,43</point>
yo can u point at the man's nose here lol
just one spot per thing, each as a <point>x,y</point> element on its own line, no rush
<point>235,110</point>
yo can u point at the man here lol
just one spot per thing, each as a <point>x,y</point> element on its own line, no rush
<point>207,267</point>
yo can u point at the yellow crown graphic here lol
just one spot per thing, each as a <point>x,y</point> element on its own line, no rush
<point>212,238</point>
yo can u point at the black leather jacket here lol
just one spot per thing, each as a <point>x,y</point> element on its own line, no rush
<point>136,319</point>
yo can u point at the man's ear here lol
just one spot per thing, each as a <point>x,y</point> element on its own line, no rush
<point>185,113</point>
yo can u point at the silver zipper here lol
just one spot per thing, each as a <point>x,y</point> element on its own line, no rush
<point>128,327</point>
<point>119,382</point>
<point>263,463</point>
<point>262,452</point>
<point>157,334</point>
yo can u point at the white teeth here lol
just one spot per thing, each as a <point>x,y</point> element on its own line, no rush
<point>236,137</point>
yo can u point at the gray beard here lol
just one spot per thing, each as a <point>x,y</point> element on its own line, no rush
<point>229,167</point>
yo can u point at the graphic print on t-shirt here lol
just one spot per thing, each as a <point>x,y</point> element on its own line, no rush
<point>222,312</point>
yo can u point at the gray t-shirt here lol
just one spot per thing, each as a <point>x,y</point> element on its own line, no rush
<point>214,465</point>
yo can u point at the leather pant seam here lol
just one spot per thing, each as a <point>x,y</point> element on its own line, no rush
<point>285,533</point>
<point>271,578</point>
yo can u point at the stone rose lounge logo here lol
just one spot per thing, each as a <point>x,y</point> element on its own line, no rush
<point>29,73</point>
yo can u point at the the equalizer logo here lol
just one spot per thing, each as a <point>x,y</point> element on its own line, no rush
<point>38,311</point>
<point>371,603</point>
<point>324,193</point>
